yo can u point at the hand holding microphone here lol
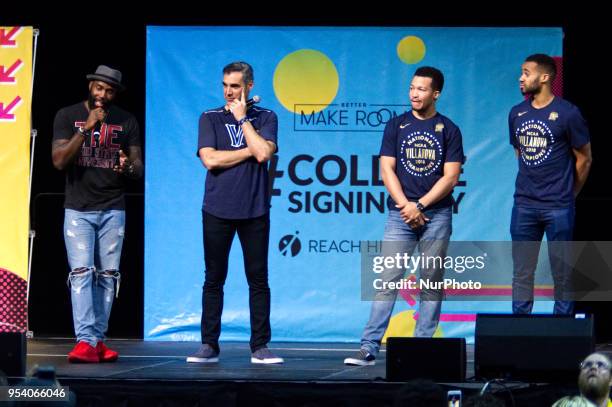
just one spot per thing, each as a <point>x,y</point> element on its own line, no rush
<point>97,115</point>
<point>94,123</point>
<point>255,99</point>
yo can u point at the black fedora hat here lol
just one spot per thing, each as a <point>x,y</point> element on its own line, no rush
<point>109,75</point>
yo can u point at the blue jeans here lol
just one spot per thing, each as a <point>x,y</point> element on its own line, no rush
<point>93,244</point>
<point>528,225</point>
<point>432,239</point>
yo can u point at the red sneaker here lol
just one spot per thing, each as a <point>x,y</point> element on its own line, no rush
<point>105,354</point>
<point>83,353</point>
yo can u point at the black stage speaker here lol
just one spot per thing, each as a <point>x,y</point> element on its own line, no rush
<point>436,359</point>
<point>13,353</point>
<point>532,348</point>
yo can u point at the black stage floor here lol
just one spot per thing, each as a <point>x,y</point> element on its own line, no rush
<point>155,373</point>
<point>166,360</point>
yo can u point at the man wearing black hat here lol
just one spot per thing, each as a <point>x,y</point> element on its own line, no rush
<point>98,145</point>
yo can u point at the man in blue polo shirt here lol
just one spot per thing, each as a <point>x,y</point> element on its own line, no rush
<point>235,142</point>
<point>551,141</point>
<point>420,161</point>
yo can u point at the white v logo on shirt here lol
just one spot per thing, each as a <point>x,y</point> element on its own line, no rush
<point>235,134</point>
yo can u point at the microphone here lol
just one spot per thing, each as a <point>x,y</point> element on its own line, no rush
<point>253,100</point>
<point>249,103</point>
<point>98,127</point>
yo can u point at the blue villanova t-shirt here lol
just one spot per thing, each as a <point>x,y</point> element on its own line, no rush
<point>545,138</point>
<point>421,147</point>
<point>241,191</point>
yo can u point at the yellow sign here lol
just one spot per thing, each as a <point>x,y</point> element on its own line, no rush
<point>15,126</point>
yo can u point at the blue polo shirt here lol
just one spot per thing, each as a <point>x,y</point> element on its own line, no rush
<point>241,191</point>
<point>421,148</point>
<point>545,138</point>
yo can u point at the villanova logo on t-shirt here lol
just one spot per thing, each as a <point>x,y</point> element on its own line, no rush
<point>235,134</point>
<point>535,140</point>
<point>421,153</point>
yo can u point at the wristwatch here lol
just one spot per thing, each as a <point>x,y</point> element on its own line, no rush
<point>242,121</point>
<point>420,206</point>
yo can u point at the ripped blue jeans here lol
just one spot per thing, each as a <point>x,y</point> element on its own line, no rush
<point>93,243</point>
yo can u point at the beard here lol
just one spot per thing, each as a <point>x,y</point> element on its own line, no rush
<point>594,389</point>
<point>531,90</point>
<point>91,102</point>
<point>423,109</point>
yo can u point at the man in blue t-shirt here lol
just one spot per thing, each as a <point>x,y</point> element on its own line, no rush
<point>420,161</point>
<point>235,142</point>
<point>551,141</point>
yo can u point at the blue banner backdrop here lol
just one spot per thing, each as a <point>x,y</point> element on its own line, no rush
<point>333,90</point>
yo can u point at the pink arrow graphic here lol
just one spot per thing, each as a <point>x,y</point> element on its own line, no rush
<point>5,75</point>
<point>452,317</point>
<point>8,39</point>
<point>6,113</point>
<point>409,295</point>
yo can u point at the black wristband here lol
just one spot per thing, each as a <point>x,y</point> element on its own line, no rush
<point>420,206</point>
<point>83,132</point>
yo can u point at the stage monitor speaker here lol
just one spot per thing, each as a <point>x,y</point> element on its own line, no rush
<point>532,348</point>
<point>436,359</point>
<point>13,353</point>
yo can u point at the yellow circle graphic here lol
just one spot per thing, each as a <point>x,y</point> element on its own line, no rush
<point>403,324</point>
<point>305,80</point>
<point>411,49</point>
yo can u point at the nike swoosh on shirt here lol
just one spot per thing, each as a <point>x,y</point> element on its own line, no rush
<point>521,113</point>
<point>404,125</point>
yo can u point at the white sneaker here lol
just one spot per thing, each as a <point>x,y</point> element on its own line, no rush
<point>206,354</point>
<point>264,356</point>
<point>363,358</point>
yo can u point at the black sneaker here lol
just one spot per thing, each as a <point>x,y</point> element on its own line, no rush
<point>363,358</point>
<point>206,354</point>
<point>264,356</point>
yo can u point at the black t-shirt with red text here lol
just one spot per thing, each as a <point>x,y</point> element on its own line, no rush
<point>91,183</point>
